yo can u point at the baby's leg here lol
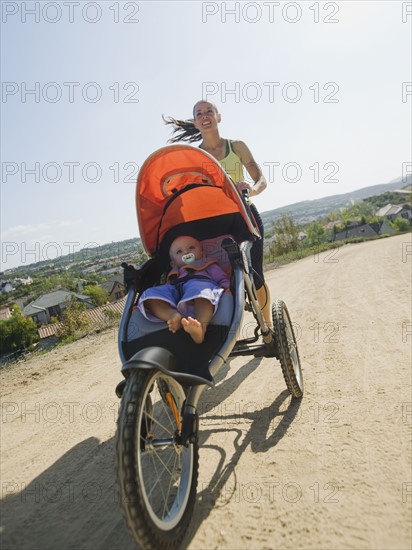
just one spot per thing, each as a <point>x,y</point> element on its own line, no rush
<point>164,311</point>
<point>197,327</point>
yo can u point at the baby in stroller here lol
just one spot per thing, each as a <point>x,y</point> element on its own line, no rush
<point>182,191</point>
<point>192,293</point>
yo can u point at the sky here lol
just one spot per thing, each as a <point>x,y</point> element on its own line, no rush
<point>321,93</point>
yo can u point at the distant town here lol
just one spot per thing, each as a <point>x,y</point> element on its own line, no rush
<point>36,300</point>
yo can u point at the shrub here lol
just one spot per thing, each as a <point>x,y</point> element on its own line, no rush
<point>97,294</point>
<point>400,224</point>
<point>287,235</point>
<point>316,234</point>
<point>112,315</point>
<point>17,332</point>
<point>74,320</point>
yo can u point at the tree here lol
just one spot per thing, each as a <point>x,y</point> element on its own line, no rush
<point>287,235</point>
<point>17,332</point>
<point>97,294</point>
<point>316,234</point>
<point>361,212</point>
<point>333,216</point>
<point>74,320</point>
<point>400,224</point>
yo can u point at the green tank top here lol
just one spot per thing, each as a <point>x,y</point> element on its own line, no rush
<point>232,164</point>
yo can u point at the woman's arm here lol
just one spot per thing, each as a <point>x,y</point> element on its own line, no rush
<point>253,168</point>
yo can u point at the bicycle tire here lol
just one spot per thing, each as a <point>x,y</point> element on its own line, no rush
<point>288,348</point>
<point>157,481</point>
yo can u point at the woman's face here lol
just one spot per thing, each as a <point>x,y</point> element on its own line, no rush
<point>205,116</point>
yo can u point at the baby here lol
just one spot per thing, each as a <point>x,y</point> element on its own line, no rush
<point>192,293</point>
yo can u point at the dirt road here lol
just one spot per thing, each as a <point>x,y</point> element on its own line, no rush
<point>331,471</point>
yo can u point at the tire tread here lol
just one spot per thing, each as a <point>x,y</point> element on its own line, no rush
<point>279,310</point>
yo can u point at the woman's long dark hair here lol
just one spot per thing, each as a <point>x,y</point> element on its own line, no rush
<point>185,130</point>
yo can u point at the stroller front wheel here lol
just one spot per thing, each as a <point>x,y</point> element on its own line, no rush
<point>157,475</point>
<point>288,348</point>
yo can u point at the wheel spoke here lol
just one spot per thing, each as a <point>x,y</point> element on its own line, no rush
<point>165,465</point>
<point>165,409</point>
<point>159,476</point>
<point>172,481</point>
<point>155,421</point>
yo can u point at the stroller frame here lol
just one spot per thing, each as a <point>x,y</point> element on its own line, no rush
<point>157,442</point>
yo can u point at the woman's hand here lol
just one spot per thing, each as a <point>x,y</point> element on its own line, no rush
<point>241,185</point>
<point>254,190</point>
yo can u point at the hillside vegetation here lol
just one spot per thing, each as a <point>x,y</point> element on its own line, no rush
<point>298,227</point>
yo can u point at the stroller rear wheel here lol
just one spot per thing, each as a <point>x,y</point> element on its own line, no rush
<point>157,475</point>
<point>288,349</point>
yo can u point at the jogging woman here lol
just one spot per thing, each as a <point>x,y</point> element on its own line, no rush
<point>233,156</point>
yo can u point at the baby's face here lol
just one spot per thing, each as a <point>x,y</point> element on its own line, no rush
<point>181,247</point>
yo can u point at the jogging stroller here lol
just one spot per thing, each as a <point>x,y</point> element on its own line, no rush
<point>182,190</point>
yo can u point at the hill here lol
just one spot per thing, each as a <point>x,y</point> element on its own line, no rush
<point>129,250</point>
<point>309,210</point>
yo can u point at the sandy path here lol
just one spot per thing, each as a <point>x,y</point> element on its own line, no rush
<point>330,471</point>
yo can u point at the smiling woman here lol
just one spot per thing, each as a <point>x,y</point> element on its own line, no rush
<point>234,156</point>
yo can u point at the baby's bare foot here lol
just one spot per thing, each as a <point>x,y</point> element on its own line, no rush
<point>194,328</point>
<point>175,322</point>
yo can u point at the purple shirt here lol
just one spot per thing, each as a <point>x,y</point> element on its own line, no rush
<point>204,267</point>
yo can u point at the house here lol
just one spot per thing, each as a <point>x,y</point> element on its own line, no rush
<point>366,230</point>
<point>393,211</point>
<point>5,313</point>
<point>23,281</point>
<point>6,287</point>
<point>405,212</point>
<point>96,316</point>
<point>115,288</point>
<point>53,304</point>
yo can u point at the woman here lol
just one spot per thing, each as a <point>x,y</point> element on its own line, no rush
<point>233,156</point>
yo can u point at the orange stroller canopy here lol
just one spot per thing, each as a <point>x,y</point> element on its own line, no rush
<point>161,184</point>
